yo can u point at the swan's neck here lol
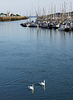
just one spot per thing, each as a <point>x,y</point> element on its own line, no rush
<point>44,81</point>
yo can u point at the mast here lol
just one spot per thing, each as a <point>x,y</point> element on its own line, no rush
<point>51,12</point>
<point>70,10</point>
<point>62,18</point>
<point>55,11</point>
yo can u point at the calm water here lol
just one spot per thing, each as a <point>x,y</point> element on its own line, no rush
<point>30,55</point>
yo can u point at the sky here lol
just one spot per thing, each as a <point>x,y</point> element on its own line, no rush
<point>27,7</point>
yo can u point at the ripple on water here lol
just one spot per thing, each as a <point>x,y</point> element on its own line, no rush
<point>28,57</point>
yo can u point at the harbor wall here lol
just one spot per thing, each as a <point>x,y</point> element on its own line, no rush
<point>14,18</point>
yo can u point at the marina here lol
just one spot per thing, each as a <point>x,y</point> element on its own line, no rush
<point>63,21</point>
<point>36,50</point>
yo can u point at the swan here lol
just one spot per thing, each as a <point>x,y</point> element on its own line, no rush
<point>31,87</point>
<point>42,83</point>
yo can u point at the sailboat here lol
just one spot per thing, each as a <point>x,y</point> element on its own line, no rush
<point>56,25</point>
<point>62,27</point>
<point>72,26</point>
<point>33,24</point>
<point>65,27</point>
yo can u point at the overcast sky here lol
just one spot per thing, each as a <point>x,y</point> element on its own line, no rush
<point>27,7</point>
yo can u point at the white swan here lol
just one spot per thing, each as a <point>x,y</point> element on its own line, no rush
<point>42,83</point>
<point>31,87</point>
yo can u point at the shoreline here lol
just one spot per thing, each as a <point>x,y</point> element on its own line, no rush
<point>14,18</point>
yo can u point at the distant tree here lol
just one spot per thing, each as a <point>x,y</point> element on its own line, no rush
<point>2,14</point>
<point>17,15</point>
<point>12,15</point>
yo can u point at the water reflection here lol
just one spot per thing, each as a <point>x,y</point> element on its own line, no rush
<point>6,25</point>
<point>51,34</point>
<point>64,34</point>
<point>32,92</point>
<point>38,32</point>
<point>44,88</point>
<point>56,58</point>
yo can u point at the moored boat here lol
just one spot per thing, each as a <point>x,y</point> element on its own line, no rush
<point>50,25</point>
<point>56,25</point>
<point>68,27</point>
<point>44,25</point>
<point>33,24</point>
<point>62,27</point>
<point>23,24</point>
<point>72,26</point>
<point>65,27</point>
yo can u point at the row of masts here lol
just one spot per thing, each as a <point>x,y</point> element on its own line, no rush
<point>52,10</point>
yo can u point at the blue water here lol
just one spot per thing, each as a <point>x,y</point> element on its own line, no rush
<point>31,55</point>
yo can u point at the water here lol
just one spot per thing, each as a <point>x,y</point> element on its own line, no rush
<point>30,55</point>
